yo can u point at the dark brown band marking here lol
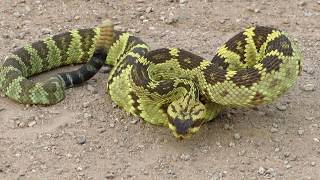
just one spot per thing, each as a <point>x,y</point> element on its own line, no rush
<point>271,63</point>
<point>159,55</point>
<point>86,41</point>
<point>63,41</point>
<point>189,61</point>
<point>281,44</point>
<point>261,35</point>
<point>220,62</point>
<point>237,44</point>
<point>246,77</point>
<point>213,74</point>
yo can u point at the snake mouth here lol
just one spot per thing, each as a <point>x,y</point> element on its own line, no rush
<point>183,129</point>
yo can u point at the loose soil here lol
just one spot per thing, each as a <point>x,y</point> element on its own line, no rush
<point>87,137</point>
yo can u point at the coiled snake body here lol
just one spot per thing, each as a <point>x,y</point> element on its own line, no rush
<point>168,86</point>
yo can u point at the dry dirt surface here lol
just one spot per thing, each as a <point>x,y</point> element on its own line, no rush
<point>87,137</point>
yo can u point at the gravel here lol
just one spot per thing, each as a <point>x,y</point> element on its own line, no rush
<point>90,138</point>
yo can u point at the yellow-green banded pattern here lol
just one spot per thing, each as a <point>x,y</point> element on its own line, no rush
<point>178,89</point>
<point>168,86</point>
<point>74,47</point>
<point>54,54</point>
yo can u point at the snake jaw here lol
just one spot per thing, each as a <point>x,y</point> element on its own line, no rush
<point>183,129</point>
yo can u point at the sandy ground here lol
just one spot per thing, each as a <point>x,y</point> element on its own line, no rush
<point>86,137</point>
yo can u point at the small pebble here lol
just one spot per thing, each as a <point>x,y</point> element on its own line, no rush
<point>313,163</point>
<point>149,10</point>
<point>17,14</point>
<point>171,172</point>
<point>274,125</point>
<point>21,124</point>
<point>76,17</point>
<point>81,139</point>
<point>309,87</point>
<point>45,31</point>
<point>134,121</point>
<point>140,9</point>
<point>317,140</point>
<point>237,136</point>
<point>55,112</point>
<point>222,21</point>
<point>21,35</point>
<point>281,107</point>
<point>101,130</point>
<point>307,14</point>
<point>309,118</point>
<point>255,10</point>
<point>142,18</point>
<point>21,2</point>
<point>287,154</point>
<point>183,1</point>
<point>261,170</point>
<point>110,176</point>
<point>216,176</point>
<point>140,1</point>
<point>286,162</point>
<point>271,172</point>
<point>286,21</point>
<point>32,123</point>
<point>79,169</point>
<point>309,70</point>
<point>185,157</point>
<point>274,130</point>
<point>232,144</point>
<point>302,3</point>
<point>171,20</point>
<point>87,116</point>
<point>242,153</point>
<point>112,125</point>
<point>288,166</point>
<point>92,89</point>
<point>218,144</point>
<point>86,104</point>
<point>227,126</point>
<point>300,132</point>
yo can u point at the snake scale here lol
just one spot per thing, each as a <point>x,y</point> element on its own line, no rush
<point>167,86</point>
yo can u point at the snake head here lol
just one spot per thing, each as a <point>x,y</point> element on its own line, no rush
<point>185,117</point>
